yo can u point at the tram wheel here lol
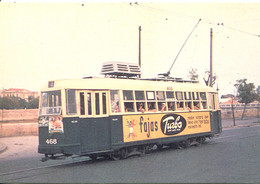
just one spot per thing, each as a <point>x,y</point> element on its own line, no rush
<point>159,146</point>
<point>93,157</point>
<point>124,153</point>
<point>185,144</point>
<point>201,140</point>
<point>115,156</point>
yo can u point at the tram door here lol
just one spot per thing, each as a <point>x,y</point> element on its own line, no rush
<point>95,126</point>
<point>213,101</point>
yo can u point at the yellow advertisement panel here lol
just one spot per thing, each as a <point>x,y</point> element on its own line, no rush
<point>154,126</point>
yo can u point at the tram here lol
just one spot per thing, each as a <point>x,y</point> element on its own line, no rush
<point>120,114</point>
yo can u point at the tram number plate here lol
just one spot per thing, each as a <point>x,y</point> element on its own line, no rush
<point>51,141</point>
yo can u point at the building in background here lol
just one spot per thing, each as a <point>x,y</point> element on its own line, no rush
<point>21,93</point>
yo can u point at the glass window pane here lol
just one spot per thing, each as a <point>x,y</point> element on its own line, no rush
<point>150,95</point>
<point>104,103</point>
<point>179,96</point>
<point>139,95</point>
<point>71,101</point>
<point>82,103</point>
<point>114,97</point>
<point>97,103</point>
<point>187,96</point>
<point>128,95</point>
<point>203,96</point>
<point>129,106</point>
<point>171,106</point>
<point>195,95</point>
<point>89,104</point>
<point>151,106</point>
<point>196,105</point>
<point>160,95</point>
<point>170,94</point>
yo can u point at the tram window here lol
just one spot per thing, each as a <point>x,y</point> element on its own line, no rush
<point>51,102</point>
<point>71,101</point>
<point>150,95</point>
<point>188,106</point>
<point>82,103</point>
<point>89,104</point>
<point>140,106</point>
<point>151,106</point>
<point>203,96</point>
<point>161,106</point>
<point>170,95</point>
<point>179,96</point>
<point>97,103</point>
<point>204,105</point>
<point>104,103</point>
<point>129,106</point>
<point>160,95</point>
<point>212,101</point>
<point>195,95</point>
<point>139,95</point>
<point>114,97</point>
<point>180,106</point>
<point>128,95</point>
<point>187,95</point>
<point>196,105</point>
<point>171,106</point>
<point>44,100</point>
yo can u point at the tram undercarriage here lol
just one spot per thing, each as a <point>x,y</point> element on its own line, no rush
<point>126,152</point>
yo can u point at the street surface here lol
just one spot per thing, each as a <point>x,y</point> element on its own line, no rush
<point>233,157</point>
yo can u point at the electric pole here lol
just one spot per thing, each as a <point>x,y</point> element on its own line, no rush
<point>139,56</point>
<point>211,65</point>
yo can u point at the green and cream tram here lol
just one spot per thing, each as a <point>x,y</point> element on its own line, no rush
<point>114,116</point>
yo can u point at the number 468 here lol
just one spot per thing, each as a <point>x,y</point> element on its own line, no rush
<point>51,141</point>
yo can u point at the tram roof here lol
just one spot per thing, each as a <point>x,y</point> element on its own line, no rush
<point>125,84</point>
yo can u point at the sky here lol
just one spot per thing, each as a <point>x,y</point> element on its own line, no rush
<point>48,41</point>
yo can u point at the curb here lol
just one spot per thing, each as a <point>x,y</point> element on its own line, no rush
<point>241,126</point>
<point>3,147</point>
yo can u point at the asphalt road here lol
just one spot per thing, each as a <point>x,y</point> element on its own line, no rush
<point>233,157</point>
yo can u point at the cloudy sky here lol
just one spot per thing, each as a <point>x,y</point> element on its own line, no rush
<point>48,41</point>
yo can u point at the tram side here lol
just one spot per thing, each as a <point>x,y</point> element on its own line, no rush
<point>117,116</point>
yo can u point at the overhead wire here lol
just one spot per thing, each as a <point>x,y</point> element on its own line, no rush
<point>159,10</point>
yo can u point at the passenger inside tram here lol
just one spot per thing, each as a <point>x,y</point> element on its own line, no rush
<point>151,107</point>
<point>140,107</point>
<point>171,106</point>
<point>180,106</point>
<point>162,106</point>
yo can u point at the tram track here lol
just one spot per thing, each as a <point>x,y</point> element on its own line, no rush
<point>85,160</point>
<point>42,167</point>
<point>216,140</point>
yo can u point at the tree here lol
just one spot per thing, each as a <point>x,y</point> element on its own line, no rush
<point>207,78</point>
<point>9,102</point>
<point>193,74</point>
<point>33,103</point>
<point>12,102</point>
<point>246,93</point>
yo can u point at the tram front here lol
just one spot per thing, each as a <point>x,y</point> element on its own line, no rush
<point>54,138</point>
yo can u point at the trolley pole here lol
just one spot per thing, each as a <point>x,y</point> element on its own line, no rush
<point>211,65</point>
<point>139,55</point>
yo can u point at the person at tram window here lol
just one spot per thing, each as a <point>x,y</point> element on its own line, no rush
<point>171,106</point>
<point>129,107</point>
<point>180,106</point>
<point>151,107</point>
<point>140,107</point>
<point>188,106</point>
<point>114,106</point>
<point>196,106</point>
<point>162,107</point>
